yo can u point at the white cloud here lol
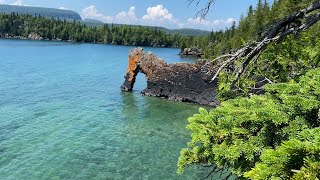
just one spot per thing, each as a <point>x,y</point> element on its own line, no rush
<point>158,14</point>
<point>230,20</point>
<point>91,12</point>
<point>209,24</point>
<point>63,8</point>
<point>122,17</point>
<point>18,3</point>
<point>127,17</point>
<point>11,2</point>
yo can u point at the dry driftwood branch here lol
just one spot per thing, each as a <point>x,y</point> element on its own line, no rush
<point>293,24</point>
<point>204,11</point>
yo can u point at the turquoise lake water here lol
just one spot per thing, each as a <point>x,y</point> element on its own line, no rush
<point>63,116</point>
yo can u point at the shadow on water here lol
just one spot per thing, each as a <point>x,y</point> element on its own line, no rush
<point>155,132</point>
<point>151,120</point>
<point>130,105</point>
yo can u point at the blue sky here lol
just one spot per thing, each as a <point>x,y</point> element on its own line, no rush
<point>166,13</point>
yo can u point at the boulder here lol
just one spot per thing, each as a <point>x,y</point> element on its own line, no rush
<point>35,36</point>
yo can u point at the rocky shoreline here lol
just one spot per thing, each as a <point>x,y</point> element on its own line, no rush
<point>194,52</point>
<point>184,82</point>
<point>31,36</point>
<point>35,36</point>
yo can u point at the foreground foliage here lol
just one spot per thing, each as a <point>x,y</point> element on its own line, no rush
<point>272,136</point>
<point>275,135</point>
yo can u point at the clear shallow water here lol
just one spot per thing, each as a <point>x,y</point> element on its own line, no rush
<point>63,116</point>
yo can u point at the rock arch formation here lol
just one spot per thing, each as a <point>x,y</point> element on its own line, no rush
<point>179,81</point>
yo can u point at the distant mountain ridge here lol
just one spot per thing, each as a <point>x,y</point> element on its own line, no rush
<point>45,12</point>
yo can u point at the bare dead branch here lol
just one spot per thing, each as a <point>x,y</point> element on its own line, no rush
<point>294,171</point>
<point>276,33</point>
<point>260,47</point>
<point>204,11</point>
<point>232,58</point>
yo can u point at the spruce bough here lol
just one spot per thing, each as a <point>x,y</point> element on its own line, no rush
<point>271,136</point>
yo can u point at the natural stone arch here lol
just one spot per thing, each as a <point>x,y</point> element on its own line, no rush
<point>135,56</point>
<point>179,81</point>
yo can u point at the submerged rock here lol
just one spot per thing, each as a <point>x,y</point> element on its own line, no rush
<point>183,82</point>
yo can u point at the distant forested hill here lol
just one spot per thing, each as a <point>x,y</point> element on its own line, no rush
<point>93,21</point>
<point>45,12</point>
<point>187,32</point>
<point>183,31</point>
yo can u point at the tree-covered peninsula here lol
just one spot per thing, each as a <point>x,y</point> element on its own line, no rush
<point>26,26</point>
<point>20,25</point>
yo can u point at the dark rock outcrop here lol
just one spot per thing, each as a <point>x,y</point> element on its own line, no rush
<point>179,82</point>
<point>191,52</point>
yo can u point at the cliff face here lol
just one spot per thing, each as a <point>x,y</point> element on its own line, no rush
<point>179,82</point>
<point>45,12</point>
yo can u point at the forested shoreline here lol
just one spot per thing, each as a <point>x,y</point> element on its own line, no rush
<point>19,25</point>
<point>22,26</point>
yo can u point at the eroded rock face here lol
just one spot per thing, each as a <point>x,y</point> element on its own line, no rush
<point>179,82</point>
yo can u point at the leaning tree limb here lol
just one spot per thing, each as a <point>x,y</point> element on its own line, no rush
<point>293,24</point>
<point>204,11</point>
